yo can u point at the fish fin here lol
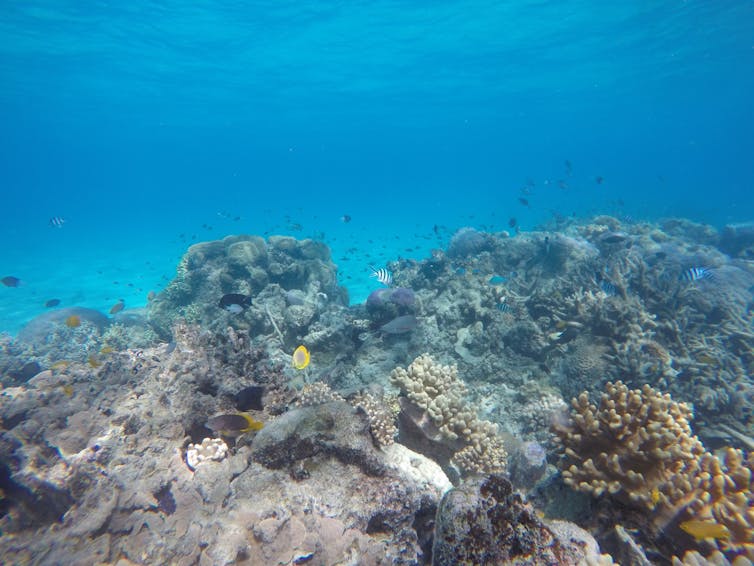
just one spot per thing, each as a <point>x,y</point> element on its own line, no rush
<point>252,424</point>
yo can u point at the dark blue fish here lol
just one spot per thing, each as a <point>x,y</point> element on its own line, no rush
<point>52,303</point>
<point>235,302</point>
<point>250,398</point>
<point>57,221</point>
<point>696,273</point>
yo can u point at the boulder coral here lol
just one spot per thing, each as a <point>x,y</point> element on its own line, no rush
<point>248,265</point>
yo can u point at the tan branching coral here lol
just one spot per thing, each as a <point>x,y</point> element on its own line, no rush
<point>381,415</point>
<point>483,456</point>
<point>726,497</point>
<point>437,390</point>
<point>637,444</point>
<point>316,393</point>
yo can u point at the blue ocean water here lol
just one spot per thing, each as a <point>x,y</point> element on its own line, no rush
<point>148,126</point>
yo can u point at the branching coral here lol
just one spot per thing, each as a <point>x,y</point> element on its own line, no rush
<point>637,444</point>
<point>726,497</point>
<point>316,393</point>
<point>381,415</point>
<point>437,390</point>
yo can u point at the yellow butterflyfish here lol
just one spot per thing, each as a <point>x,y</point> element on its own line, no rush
<point>300,357</point>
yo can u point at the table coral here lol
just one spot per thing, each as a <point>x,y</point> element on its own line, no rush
<point>637,445</point>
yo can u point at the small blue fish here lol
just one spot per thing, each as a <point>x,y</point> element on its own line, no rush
<point>383,275</point>
<point>696,273</point>
<point>57,221</point>
<point>460,271</point>
<point>497,280</point>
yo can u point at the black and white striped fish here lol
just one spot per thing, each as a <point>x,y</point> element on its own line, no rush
<point>57,221</point>
<point>696,273</point>
<point>383,275</point>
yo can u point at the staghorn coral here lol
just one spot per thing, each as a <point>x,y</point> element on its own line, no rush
<point>437,390</point>
<point>637,445</point>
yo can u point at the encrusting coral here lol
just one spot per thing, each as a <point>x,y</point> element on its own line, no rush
<point>637,444</point>
<point>437,390</point>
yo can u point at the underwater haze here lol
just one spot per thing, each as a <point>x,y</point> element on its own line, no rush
<point>406,283</point>
<point>146,127</point>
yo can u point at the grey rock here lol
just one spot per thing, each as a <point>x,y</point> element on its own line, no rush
<point>484,521</point>
<point>329,430</point>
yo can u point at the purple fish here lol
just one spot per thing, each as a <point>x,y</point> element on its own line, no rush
<point>400,325</point>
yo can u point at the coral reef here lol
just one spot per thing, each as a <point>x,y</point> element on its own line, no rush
<point>637,447</point>
<point>467,242</point>
<point>725,497</point>
<point>104,463</point>
<point>316,393</point>
<point>98,418</point>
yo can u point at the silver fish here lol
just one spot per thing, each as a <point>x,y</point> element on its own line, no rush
<point>383,275</point>
<point>400,325</point>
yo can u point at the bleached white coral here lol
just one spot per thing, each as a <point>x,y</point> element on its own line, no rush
<point>209,449</point>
